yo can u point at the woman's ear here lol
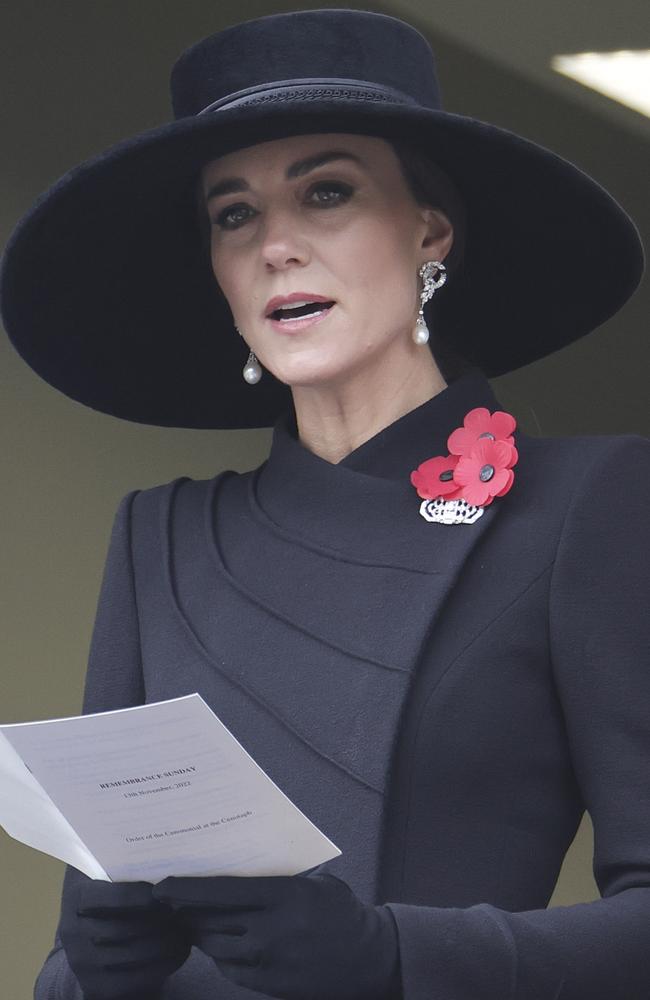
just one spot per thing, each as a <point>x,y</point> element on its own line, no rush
<point>439,235</point>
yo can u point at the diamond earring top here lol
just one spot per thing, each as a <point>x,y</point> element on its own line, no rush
<point>431,284</point>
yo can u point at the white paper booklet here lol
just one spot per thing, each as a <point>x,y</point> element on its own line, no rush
<point>142,793</point>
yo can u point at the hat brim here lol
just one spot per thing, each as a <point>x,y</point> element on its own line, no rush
<point>107,293</point>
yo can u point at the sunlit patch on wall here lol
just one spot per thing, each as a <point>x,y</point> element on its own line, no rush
<point>623,76</point>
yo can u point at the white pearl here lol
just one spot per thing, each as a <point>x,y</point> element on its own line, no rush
<point>421,332</point>
<point>252,374</point>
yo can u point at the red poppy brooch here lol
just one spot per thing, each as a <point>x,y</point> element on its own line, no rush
<point>456,488</point>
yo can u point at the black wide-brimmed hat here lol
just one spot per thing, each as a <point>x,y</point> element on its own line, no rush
<point>106,288</point>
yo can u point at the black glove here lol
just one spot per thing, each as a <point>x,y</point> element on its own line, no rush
<point>119,940</point>
<point>291,937</point>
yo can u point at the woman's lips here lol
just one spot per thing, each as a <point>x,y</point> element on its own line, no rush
<point>291,325</point>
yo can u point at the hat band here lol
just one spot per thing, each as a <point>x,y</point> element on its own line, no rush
<point>311,89</point>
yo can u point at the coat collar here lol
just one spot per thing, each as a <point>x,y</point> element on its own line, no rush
<point>365,507</point>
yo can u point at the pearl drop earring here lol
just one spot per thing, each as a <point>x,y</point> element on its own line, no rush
<point>421,331</point>
<point>252,370</point>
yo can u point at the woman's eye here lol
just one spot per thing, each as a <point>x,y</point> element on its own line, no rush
<point>223,219</point>
<point>342,190</point>
<point>230,218</point>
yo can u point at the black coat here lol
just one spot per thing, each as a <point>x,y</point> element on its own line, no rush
<point>443,701</point>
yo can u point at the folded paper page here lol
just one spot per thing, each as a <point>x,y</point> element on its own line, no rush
<point>143,793</point>
<point>29,815</point>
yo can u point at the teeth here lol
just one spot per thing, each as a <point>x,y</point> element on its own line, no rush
<point>289,311</point>
<point>297,305</point>
<point>289,319</point>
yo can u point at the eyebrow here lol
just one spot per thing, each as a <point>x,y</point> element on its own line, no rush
<point>231,184</point>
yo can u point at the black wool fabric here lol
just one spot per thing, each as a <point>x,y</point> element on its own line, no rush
<point>443,701</point>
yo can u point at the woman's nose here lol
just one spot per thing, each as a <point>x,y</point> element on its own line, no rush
<point>282,243</point>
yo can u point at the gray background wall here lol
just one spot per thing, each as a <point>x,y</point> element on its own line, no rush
<point>77,76</point>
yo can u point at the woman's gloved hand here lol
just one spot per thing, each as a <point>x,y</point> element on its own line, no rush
<point>120,941</point>
<point>291,936</point>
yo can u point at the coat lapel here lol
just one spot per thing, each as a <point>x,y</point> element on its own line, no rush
<point>338,577</point>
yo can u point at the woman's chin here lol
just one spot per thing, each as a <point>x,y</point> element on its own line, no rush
<point>305,374</point>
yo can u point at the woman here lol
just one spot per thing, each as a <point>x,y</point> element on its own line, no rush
<point>427,627</point>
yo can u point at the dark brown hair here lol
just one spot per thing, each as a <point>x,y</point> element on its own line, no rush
<point>429,186</point>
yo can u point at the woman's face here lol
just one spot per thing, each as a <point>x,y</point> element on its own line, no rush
<point>347,229</point>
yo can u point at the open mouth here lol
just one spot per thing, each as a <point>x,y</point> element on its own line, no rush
<point>300,312</point>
